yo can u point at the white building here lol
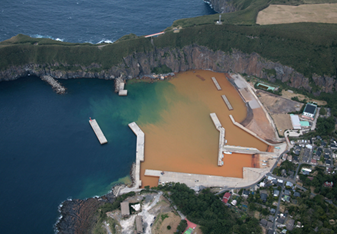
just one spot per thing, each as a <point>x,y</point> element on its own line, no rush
<point>295,121</point>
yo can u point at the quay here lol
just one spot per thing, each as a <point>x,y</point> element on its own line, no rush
<point>139,151</point>
<point>219,127</point>
<point>98,131</point>
<point>229,106</point>
<point>250,176</point>
<point>216,83</point>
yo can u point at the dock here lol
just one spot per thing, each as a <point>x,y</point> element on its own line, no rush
<point>219,127</point>
<point>139,151</point>
<point>216,83</point>
<point>229,106</point>
<point>98,131</point>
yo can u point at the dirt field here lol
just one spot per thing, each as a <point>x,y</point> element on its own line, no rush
<point>160,226</point>
<point>289,95</point>
<point>283,14</point>
<point>279,107</point>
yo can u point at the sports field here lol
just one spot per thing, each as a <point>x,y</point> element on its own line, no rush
<point>284,14</point>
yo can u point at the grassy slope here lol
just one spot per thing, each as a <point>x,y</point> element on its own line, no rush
<point>307,47</point>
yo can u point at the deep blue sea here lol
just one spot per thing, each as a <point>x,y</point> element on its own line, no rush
<point>48,152</point>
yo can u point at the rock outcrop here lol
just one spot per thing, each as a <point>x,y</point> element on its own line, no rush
<point>221,6</point>
<point>78,216</point>
<point>180,59</point>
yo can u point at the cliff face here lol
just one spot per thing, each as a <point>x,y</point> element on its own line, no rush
<point>221,6</point>
<point>187,58</point>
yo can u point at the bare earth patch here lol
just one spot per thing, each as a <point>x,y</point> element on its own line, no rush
<point>301,97</point>
<point>172,220</point>
<point>278,108</point>
<point>283,14</point>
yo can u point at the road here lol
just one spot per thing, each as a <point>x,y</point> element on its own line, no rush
<point>278,207</point>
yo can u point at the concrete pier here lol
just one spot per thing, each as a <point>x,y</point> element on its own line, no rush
<point>98,131</point>
<point>219,127</point>
<point>139,151</point>
<point>216,83</point>
<point>229,106</point>
<point>56,85</point>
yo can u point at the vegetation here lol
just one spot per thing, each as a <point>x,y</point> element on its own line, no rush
<point>208,211</point>
<point>163,69</point>
<point>325,126</point>
<point>322,111</point>
<point>181,227</point>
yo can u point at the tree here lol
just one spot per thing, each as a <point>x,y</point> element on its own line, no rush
<point>325,126</point>
<point>322,111</point>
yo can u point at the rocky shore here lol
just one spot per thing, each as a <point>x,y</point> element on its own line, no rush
<point>78,215</point>
<point>190,57</point>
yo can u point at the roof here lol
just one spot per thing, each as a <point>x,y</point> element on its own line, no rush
<point>125,209</point>
<point>286,192</point>
<point>281,220</point>
<point>269,224</point>
<point>290,224</point>
<point>305,123</point>
<point>263,196</point>
<point>188,231</point>
<point>139,224</point>
<point>226,197</point>
<point>310,108</point>
<point>263,222</point>
<point>276,192</point>
<point>297,194</point>
<point>295,121</point>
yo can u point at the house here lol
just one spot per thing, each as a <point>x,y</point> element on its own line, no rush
<point>226,197</point>
<point>263,222</point>
<point>333,146</point>
<point>313,161</point>
<point>276,193</point>
<point>326,156</point>
<point>286,198</point>
<point>290,224</point>
<point>270,232</point>
<point>281,220</point>
<point>290,158</point>
<point>295,159</point>
<point>125,209</point>
<point>269,225</point>
<point>289,184</point>
<point>306,171</point>
<point>319,152</point>
<point>328,184</point>
<point>286,192</point>
<point>262,184</point>
<point>297,194</point>
<point>263,197</point>
<point>234,202</point>
<point>271,218</point>
<point>139,224</point>
<point>245,193</point>
<point>328,162</point>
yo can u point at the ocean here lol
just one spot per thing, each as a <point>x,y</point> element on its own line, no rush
<point>48,152</point>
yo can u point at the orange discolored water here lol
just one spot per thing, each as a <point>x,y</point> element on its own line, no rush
<point>185,138</point>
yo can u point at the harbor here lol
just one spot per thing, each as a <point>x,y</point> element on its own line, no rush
<point>98,131</point>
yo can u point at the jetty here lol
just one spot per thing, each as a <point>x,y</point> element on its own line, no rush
<point>56,85</point>
<point>219,127</point>
<point>98,131</point>
<point>229,106</point>
<point>120,87</point>
<point>139,151</point>
<point>216,83</point>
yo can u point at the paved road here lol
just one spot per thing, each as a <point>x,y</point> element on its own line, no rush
<point>278,207</point>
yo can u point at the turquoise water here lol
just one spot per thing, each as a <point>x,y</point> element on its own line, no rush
<point>49,152</point>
